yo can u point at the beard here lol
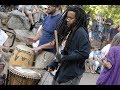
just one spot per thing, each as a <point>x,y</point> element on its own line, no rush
<point>71,26</point>
<point>52,12</point>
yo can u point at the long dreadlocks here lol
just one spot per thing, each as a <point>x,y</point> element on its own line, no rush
<point>63,30</point>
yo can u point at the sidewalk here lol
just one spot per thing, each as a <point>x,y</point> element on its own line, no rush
<point>87,79</point>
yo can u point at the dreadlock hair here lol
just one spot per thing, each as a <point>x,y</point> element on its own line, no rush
<point>116,40</point>
<point>63,30</point>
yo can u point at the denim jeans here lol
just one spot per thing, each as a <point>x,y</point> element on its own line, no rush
<point>96,35</point>
<point>103,38</point>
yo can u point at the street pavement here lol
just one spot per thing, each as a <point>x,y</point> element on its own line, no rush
<point>87,79</point>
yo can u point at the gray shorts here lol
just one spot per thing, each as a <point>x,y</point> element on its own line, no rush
<point>43,59</point>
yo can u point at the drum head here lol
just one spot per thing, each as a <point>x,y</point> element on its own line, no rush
<point>28,73</point>
<point>24,48</point>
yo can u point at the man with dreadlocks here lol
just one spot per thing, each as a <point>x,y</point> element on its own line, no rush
<point>71,60</point>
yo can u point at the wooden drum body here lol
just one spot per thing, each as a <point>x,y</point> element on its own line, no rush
<point>20,76</point>
<point>22,56</point>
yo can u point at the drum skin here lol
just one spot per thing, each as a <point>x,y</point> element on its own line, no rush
<point>22,56</point>
<point>20,76</point>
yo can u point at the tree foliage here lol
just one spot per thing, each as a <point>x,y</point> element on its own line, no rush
<point>107,11</point>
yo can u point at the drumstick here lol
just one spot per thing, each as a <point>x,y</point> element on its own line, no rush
<point>34,68</point>
<point>56,40</point>
<point>57,46</point>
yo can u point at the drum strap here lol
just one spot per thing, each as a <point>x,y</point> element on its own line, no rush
<point>34,68</point>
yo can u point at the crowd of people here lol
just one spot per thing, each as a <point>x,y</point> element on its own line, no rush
<point>75,36</point>
<point>101,33</point>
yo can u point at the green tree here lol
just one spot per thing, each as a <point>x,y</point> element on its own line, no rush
<point>107,11</point>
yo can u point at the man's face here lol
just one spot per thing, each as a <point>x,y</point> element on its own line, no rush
<point>118,29</point>
<point>70,18</point>
<point>51,9</point>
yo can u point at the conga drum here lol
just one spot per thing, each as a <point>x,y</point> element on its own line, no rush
<point>22,56</point>
<point>21,76</point>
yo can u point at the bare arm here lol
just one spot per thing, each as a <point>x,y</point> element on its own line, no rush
<point>35,9</point>
<point>23,8</point>
<point>38,35</point>
<point>48,45</point>
<point>45,46</point>
<point>108,38</point>
<point>107,64</point>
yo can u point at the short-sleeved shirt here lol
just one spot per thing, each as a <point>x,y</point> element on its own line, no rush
<point>94,27</point>
<point>107,27</point>
<point>113,32</point>
<point>88,18</point>
<point>105,50</point>
<point>29,7</point>
<point>49,25</point>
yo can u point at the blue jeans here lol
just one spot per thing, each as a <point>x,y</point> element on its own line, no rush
<point>96,35</point>
<point>103,38</point>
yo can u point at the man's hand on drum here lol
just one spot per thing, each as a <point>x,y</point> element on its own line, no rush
<point>49,69</point>
<point>32,39</point>
<point>37,49</point>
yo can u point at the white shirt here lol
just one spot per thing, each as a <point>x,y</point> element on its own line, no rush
<point>105,50</point>
<point>3,37</point>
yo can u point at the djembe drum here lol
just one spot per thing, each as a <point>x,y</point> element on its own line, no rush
<point>22,56</point>
<point>22,76</point>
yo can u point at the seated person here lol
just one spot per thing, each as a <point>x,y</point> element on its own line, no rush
<point>32,11</point>
<point>3,38</point>
<point>4,42</point>
<point>90,63</point>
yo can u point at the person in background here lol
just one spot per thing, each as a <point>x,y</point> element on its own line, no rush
<point>105,49</point>
<point>70,61</point>
<point>110,74</point>
<point>107,25</point>
<point>94,29</point>
<point>100,25</point>
<point>90,63</point>
<point>32,12</point>
<point>88,17</point>
<point>112,33</point>
<point>43,13</point>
